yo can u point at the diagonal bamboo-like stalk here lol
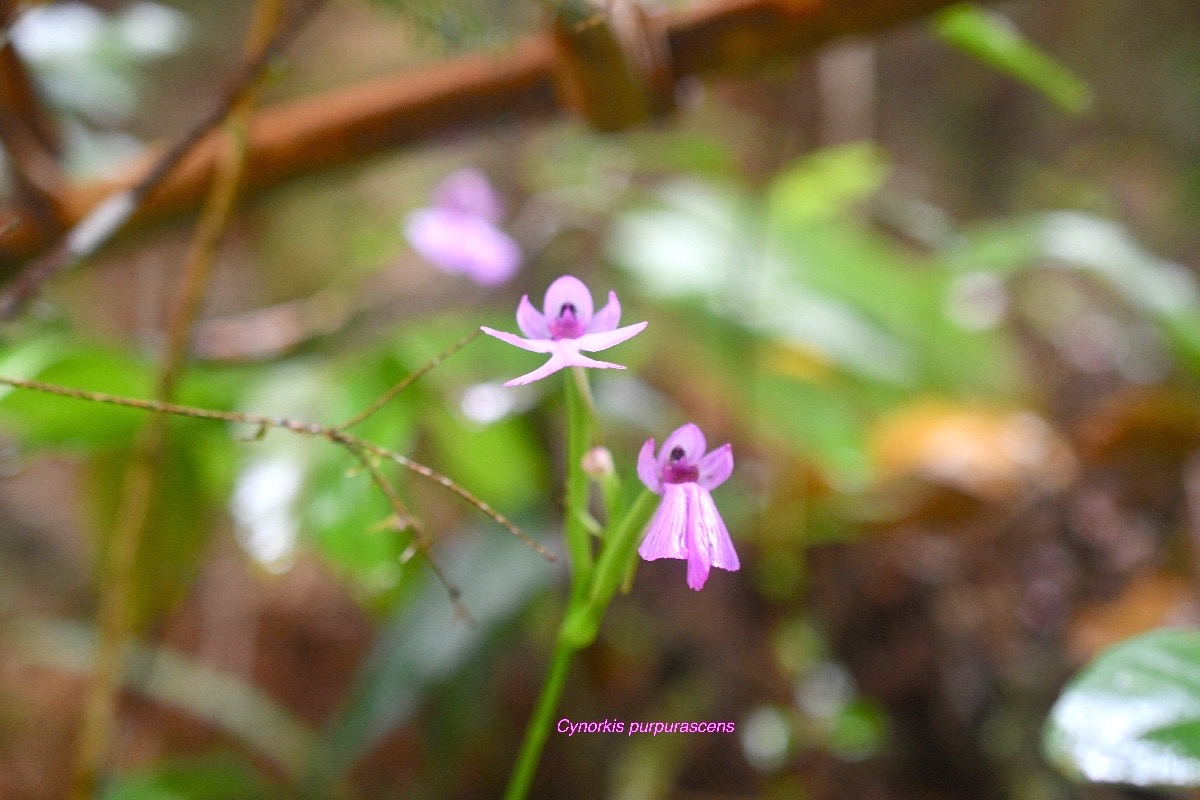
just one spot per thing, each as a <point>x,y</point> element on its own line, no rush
<point>352,123</point>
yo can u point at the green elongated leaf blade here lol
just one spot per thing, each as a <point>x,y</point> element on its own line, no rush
<point>1133,714</point>
<point>223,700</point>
<point>993,39</point>
<point>423,644</point>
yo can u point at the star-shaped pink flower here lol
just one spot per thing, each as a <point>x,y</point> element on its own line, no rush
<point>687,524</point>
<point>567,327</point>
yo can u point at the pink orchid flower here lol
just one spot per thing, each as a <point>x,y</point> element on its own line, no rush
<point>459,233</point>
<point>567,327</point>
<point>687,524</point>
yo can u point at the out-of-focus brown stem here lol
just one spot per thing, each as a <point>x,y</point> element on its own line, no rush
<point>31,139</point>
<point>18,93</point>
<point>99,221</point>
<point>349,124</point>
<point>142,475</point>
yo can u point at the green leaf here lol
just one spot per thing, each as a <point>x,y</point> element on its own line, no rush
<point>225,702</point>
<point>314,491</point>
<point>826,423</point>
<point>44,421</point>
<point>1133,714</point>
<point>1164,291</point>
<point>498,462</point>
<point>698,240</point>
<point>423,643</point>
<point>992,38</point>
<point>345,516</point>
<point>827,182</point>
<point>213,778</point>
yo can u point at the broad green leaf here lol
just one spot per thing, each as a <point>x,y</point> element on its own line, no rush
<point>992,38</point>
<point>346,517</point>
<point>698,240</point>
<point>880,313</point>
<point>1133,714</point>
<point>824,422</point>
<point>826,183</point>
<point>42,420</point>
<point>498,462</point>
<point>295,490</point>
<point>1163,290</point>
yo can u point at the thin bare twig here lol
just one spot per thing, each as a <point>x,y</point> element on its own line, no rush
<point>260,421</point>
<point>391,393</point>
<point>403,519</point>
<point>109,216</point>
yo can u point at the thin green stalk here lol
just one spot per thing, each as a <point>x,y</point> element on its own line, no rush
<point>579,438</point>
<point>583,618</point>
<point>579,627</point>
<point>541,722</point>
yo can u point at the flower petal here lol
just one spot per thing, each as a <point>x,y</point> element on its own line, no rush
<point>569,289</point>
<point>459,243</point>
<point>708,527</point>
<point>495,258</point>
<point>531,321</point>
<point>716,467</point>
<point>575,359</point>
<point>433,232</point>
<point>533,346</point>
<point>666,535</point>
<point>606,319</point>
<point>688,438</point>
<point>647,468</point>
<point>552,366</point>
<point>697,571</point>
<point>708,540</point>
<point>468,190</point>
<point>606,339</point>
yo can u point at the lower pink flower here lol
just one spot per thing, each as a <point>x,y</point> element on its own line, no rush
<point>687,524</point>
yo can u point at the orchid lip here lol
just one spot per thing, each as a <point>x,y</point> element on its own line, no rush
<point>680,473</point>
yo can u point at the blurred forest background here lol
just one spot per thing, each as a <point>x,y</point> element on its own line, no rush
<point>944,307</point>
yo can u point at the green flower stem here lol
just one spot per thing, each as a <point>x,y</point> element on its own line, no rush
<point>610,492</point>
<point>583,618</point>
<point>541,722</point>
<point>592,585</point>
<point>579,438</point>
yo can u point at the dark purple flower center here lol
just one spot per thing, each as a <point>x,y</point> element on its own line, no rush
<point>678,470</point>
<point>566,325</point>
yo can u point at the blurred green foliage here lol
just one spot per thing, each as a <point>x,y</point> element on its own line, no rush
<point>798,309</point>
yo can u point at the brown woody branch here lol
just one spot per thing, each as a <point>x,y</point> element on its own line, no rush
<point>349,124</point>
